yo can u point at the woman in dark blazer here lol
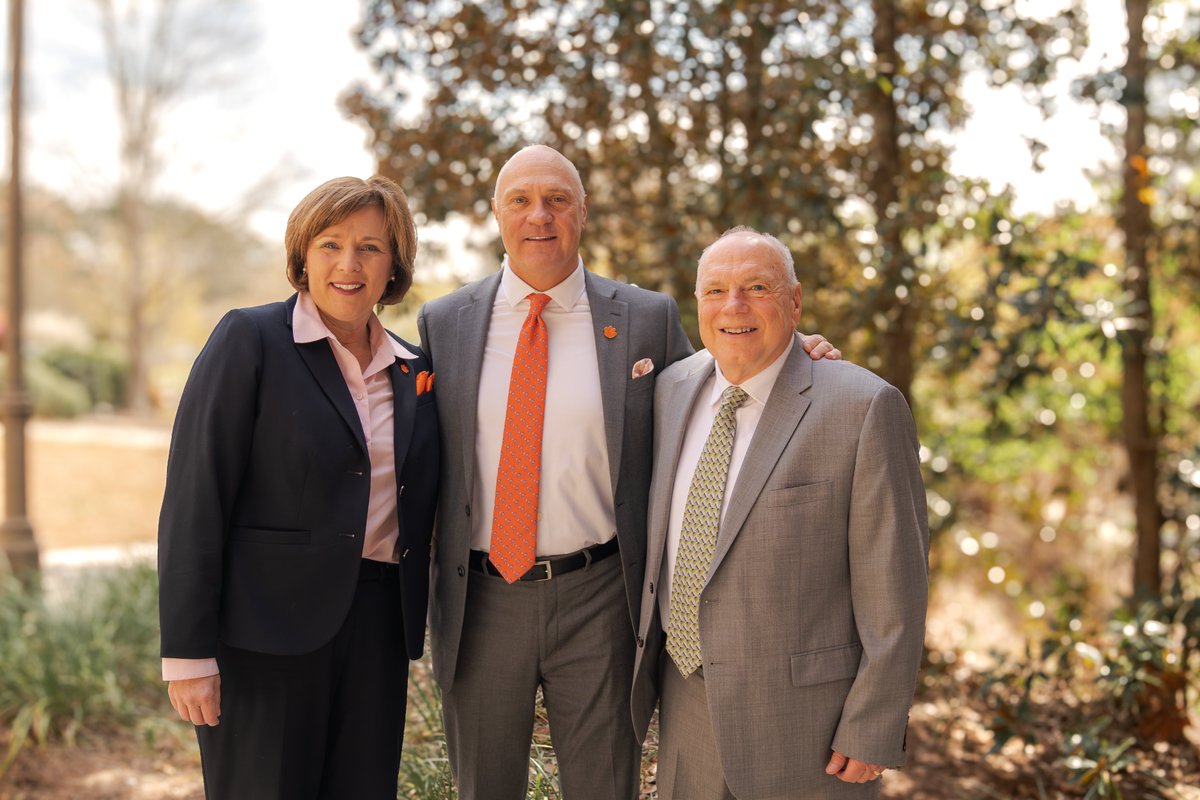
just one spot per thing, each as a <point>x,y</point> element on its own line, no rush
<point>295,529</point>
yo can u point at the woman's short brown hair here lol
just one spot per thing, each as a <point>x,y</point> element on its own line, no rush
<point>332,202</point>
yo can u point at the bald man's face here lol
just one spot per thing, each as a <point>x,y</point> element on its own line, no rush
<point>540,208</point>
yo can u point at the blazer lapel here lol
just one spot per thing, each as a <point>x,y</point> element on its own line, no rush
<point>473,319</point>
<point>779,421</point>
<point>319,358</point>
<point>611,357</point>
<point>681,397</point>
<point>404,407</point>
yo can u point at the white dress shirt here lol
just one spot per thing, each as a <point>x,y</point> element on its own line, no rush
<point>703,412</point>
<point>575,500</point>
<point>371,390</point>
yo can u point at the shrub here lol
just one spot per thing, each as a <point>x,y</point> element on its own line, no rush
<point>101,372</point>
<point>86,662</point>
<point>52,393</point>
<point>1099,713</point>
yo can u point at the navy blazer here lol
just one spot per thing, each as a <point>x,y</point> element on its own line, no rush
<point>268,480</point>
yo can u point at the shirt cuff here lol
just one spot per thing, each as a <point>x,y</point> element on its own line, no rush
<point>183,669</point>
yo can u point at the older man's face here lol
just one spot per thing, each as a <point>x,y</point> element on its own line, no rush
<point>541,209</point>
<point>748,311</point>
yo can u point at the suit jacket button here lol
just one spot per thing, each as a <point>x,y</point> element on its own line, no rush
<point>651,587</point>
<point>641,642</point>
<point>461,571</point>
<point>468,509</point>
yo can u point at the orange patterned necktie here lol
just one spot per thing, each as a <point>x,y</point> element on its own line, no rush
<point>514,523</point>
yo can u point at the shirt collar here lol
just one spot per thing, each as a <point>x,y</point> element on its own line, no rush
<point>307,326</point>
<point>759,387</point>
<point>566,295</point>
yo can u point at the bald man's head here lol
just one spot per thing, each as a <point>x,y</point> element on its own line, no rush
<point>541,209</point>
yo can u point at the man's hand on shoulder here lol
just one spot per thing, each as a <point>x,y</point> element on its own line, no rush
<point>818,347</point>
<point>851,770</point>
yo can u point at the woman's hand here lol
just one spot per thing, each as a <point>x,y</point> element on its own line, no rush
<point>198,700</point>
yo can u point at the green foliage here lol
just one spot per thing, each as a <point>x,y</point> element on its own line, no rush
<point>424,767</point>
<point>84,663</point>
<point>52,393</point>
<point>1096,761</point>
<point>101,371</point>
<point>68,382</point>
<point>1101,707</point>
<point>688,118</point>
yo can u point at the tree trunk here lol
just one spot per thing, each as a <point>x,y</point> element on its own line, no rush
<point>1141,441</point>
<point>132,211</point>
<point>896,295</point>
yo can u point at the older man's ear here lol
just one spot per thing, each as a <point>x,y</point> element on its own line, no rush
<point>818,347</point>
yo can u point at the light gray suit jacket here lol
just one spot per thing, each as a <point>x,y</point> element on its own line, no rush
<point>454,331</point>
<point>812,618</point>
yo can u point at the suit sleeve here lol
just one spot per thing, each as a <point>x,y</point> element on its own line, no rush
<point>889,546</point>
<point>214,429</point>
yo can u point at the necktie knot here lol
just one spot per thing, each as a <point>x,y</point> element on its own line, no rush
<point>732,398</point>
<point>537,304</point>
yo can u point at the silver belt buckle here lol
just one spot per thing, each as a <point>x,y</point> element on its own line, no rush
<point>549,570</point>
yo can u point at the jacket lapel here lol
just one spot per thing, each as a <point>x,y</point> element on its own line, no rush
<point>404,407</point>
<point>681,397</point>
<point>473,319</point>
<point>318,357</point>
<point>779,421</point>
<point>611,357</point>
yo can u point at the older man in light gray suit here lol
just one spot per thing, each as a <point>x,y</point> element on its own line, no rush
<point>785,589</point>
<point>540,540</point>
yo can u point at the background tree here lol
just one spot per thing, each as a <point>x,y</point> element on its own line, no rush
<point>1141,438</point>
<point>157,52</point>
<point>689,118</point>
<point>1155,198</point>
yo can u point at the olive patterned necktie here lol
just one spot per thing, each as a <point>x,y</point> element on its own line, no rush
<point>698,536</point>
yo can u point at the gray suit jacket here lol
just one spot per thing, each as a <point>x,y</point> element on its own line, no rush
<point>813,615</point>
<point>454,331</point>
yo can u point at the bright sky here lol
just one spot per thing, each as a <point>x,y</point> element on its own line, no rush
<point>277,132</point>
<point>993,143</point>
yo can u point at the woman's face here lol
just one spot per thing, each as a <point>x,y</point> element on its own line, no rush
<point>348,266</point>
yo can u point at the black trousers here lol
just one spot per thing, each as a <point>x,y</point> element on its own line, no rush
<point>326,725</point>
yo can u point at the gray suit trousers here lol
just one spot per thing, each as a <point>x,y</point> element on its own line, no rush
<point>570,636</point>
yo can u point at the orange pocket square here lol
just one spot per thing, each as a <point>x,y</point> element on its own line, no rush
<point>424,382</point>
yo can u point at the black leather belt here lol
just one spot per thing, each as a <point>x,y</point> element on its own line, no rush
<point>546,568</point>
<point>371,570</point>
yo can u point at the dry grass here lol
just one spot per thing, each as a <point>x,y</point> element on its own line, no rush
<point>94,483</point>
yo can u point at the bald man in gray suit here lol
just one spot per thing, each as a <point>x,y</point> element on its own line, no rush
<point>785,590</point>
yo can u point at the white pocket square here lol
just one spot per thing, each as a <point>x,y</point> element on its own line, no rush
<point>643,367</point>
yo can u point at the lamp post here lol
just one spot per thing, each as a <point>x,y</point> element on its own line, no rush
<point>16,534</point>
